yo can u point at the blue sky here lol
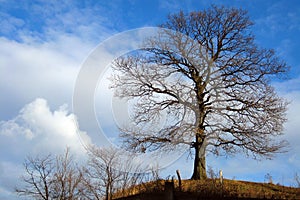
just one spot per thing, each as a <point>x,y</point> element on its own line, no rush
<point>43,45</point>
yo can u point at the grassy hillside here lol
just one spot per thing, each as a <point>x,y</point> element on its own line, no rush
<point>240,189</point>
<point>213,189</point>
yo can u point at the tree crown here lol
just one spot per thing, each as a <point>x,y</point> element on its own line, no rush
<point>206,73</point>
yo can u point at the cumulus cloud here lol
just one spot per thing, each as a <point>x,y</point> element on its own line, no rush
<point>36,130</point>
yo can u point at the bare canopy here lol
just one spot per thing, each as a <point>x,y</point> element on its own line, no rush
<point>205,72</point>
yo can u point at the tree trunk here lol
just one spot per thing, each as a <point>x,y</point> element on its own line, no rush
<point>199,161</point>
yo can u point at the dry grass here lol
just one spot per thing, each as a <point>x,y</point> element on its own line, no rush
<point>148,187</point>
<point>240,189</point>
<point>213,188</point>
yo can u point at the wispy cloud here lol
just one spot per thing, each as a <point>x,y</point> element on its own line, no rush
<point>175,6</point>
<point>10,24</point>
<point>279,18</point>
<point>43,19</point>
<point>30,70</point>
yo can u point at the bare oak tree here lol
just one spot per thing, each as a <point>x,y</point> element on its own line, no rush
<point>213,82</point>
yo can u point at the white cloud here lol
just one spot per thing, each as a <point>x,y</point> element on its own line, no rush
<point>43,48</point>
<point>36,130</point>
<point>9,128</point>
<point>30,70</point>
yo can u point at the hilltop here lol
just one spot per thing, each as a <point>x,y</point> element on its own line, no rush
<point>208,189</point>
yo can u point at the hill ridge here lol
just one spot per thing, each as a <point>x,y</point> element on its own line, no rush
<point>207,189</point>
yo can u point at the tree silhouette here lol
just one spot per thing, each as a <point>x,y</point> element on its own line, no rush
<point>205,71</point>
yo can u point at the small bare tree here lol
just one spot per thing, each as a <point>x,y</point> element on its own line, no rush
<point>213,82</point>
<point>48,177</point>
<point>38,178</point>
<point>67,179</point>
<point>109,171</point>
